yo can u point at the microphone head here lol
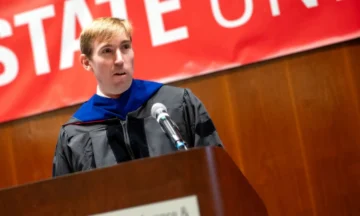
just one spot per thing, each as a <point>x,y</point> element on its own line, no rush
<point>157,108</point>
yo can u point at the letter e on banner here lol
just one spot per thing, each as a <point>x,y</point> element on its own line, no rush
<point>154,10</point>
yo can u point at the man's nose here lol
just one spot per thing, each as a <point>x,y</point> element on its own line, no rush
<point>118,57</point>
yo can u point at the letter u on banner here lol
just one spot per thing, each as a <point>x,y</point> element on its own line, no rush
<point>232,23</point>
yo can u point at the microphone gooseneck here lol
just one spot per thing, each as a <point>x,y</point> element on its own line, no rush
<point>159,112</point>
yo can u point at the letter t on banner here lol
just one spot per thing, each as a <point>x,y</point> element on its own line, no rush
<point>73,10</point>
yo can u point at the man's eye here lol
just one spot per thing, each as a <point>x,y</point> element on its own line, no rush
<point>107,50</point>
<point>126,46</point>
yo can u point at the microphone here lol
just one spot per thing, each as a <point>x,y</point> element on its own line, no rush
<point>159,112</point>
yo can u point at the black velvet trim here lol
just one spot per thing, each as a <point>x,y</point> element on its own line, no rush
<point>137,137</point>
<point>205,129</point>
<point>115,137</point>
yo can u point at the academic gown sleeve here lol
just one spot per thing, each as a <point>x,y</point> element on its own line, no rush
<point>202,128</point>
<point>61,164</point>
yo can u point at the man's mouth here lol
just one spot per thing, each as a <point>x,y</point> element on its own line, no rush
<point>119,74</point>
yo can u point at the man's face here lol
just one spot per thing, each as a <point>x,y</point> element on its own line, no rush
<point>113,64</point>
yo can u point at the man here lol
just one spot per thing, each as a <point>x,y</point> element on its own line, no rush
<point>115,124</point>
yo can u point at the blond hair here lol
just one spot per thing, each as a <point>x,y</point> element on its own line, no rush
<point>103,29</point>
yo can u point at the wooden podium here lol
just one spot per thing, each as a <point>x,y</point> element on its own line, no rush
<point>206,173</point>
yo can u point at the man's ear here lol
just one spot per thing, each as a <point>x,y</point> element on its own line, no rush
<point>85,62</point>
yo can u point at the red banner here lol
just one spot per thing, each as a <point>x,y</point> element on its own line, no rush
<point>173,40</point>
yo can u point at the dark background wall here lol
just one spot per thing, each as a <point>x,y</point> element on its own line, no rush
<point>290,124</point>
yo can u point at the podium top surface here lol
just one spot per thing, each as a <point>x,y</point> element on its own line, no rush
<point>206,172</point>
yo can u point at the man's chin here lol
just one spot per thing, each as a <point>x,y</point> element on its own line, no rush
<point>121,86</point>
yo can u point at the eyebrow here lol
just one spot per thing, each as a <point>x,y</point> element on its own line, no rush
<point>110,45</point>
<point>125,41</point>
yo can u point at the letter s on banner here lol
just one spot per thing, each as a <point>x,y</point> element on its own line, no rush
<point>37,35</point>
<point>7,57</point>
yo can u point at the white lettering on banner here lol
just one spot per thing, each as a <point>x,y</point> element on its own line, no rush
<point>184,206</point>
<point>7,57</point>
<point>37,35</point>
<point>310,3</point>
<point>11,65</point>
<point>73,9</point>
<point>154,10</point>
<point>5,29</point>
<point>274,5</point>
<point>117,7</point>
<point>215,7</point>
<point>78,10</point>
